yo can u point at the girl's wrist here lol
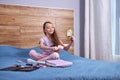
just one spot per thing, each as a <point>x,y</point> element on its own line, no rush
<point>51,48</point>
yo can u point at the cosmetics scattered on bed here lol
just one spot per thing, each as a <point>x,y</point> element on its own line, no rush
<point>31,65</point>
<point>17,67</point>
<point>19,61</point>
<point>31,62</point>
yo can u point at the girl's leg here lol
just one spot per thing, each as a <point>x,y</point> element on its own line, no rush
<point>35,55</point>
<point>54,55</point>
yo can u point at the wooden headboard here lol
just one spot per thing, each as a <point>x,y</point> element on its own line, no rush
<point>21,26</point>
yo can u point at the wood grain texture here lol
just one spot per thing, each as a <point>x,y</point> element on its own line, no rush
<point>21,26</point>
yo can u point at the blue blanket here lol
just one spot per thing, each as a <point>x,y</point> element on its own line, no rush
<point>82,68</point>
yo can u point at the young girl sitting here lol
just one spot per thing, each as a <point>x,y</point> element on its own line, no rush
<point>50,44</point>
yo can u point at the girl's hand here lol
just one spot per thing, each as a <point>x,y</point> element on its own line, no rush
<point>72,38</point>
<point>55,48</point>
<point>60,47</point>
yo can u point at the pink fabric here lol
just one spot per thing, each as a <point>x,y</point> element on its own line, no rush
<point>47,54</point>
<point>37,56</point>
<point>58,63</point>
<point>47,42</point>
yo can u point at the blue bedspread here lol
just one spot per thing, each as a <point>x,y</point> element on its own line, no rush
<point>82,68</point>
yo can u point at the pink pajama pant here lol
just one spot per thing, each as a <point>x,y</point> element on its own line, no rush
<point>40,57</point>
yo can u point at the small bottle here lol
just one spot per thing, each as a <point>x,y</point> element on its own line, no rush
<point>31,61</point>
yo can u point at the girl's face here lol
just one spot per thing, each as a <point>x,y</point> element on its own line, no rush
<point>49,29</point>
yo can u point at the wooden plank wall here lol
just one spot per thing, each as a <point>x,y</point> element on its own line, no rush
<point>21,26</point>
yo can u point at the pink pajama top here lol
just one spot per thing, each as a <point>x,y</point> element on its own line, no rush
<point>47,42</point>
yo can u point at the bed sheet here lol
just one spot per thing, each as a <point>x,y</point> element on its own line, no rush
<point>82,68</point>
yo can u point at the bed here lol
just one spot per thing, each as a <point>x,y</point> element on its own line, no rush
<point>82,68</point>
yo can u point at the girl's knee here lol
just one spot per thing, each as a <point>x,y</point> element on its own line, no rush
<point>55,55</point>
<point>32,52</point>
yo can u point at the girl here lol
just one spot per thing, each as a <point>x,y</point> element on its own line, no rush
<point>50,44</point>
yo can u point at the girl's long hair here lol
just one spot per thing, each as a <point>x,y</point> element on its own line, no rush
<point>54,36</point>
